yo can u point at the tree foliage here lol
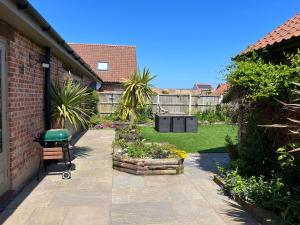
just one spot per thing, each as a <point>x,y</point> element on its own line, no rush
<point>261,79</point>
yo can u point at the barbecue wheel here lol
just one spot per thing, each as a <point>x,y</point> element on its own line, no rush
<point>66,175</point>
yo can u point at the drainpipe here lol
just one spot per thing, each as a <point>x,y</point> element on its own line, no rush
<point>47,89</point>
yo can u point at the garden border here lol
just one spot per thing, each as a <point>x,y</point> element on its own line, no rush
<point>263,216</point>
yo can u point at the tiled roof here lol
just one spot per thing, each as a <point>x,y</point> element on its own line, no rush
<point>290,29</point>
<point>221,89</point>
<point>203,86</point>
<point>177,91</point>
<point>121,59</point>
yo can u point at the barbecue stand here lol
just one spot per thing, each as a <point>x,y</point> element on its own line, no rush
<point>55,143</point>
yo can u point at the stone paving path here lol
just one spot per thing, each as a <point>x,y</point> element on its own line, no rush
<point>98,195</point>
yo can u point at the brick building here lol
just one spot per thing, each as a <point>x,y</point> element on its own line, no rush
<point>204,89</point>
<point>113,63</point>
<point>221,89</point>
<point>32,55</point>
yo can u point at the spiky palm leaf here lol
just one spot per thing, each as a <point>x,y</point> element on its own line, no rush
<point>71,102</point>
<point>137,94</point>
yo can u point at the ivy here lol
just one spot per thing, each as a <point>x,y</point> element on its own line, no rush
<point>261,79</point>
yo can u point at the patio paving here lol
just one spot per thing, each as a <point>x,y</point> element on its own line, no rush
<point>98,195</point>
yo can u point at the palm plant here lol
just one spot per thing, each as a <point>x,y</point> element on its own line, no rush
<point>72,102</point>
<point>137,94</point>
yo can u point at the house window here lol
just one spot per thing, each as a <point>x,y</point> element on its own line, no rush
<point>102,66</point>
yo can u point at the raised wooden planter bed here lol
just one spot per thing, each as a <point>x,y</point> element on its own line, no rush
<point>263,216</point>
<point>147,166</point>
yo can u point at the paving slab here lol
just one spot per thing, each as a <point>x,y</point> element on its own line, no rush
<point>98,195</point>
<point>84,199</point>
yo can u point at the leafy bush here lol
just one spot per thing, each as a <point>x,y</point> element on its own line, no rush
<point>256,155</point>
<point>128,134</point>
<point>142,149</point>
<point>270,194</point>
<point>144,115</point>
<point>231,148</point>
<point>262,79</point>
<point>210,115</point>
<point>137,149</point>
<point>102,121</point>
<point>159,151</point>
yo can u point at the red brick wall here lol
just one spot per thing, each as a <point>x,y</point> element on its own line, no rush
<point>25,107</point>
<point>26,103</point>
<point>111,86</point>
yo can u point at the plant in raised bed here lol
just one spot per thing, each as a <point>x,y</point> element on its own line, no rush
<point>142,158</point>
<point>128,134</point>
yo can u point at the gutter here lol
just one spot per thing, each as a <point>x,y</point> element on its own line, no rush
<point>46,27</point>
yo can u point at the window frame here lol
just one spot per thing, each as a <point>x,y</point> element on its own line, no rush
<point>103,62</point>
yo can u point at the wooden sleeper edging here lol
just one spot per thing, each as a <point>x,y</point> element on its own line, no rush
<point>147,166</point>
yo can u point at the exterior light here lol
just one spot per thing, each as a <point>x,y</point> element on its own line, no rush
<point>45,65</point>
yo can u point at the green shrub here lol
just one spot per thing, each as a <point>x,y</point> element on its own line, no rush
<point>137,149</point>
<point>141,149</point>
<point>231,148</point>
<point>160,151</point>
<point>261,79</point>
<point>272,194</point>
<point>128,134</point>
<point>102,119</point>
<point>256,155</point>
<point>219,114</point>
<point>144,115</point>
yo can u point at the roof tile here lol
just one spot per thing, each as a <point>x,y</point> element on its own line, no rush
<point>121,59</point>
<point>290,29</point>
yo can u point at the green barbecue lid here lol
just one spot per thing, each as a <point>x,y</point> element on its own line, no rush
<point>56,135</point>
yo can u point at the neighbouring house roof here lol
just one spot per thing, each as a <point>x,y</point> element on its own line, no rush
<point>203,87</point>
<point>221,89</point>
<point>177,91</point>
<point>22,15</point>
<point>121,59</point>
<point>285,32</point>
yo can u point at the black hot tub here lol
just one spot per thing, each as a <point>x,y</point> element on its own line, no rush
<point>175,123</point>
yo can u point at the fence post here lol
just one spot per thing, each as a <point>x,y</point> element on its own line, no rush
<point>190,104</point>
<point>112,104</point>
<point>157,103</point>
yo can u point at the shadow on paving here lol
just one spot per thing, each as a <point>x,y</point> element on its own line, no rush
<point>229,210</point>
<point>209,161</point>
<point>53,168</point>
<point>237,214</point>
<point>214,150</point>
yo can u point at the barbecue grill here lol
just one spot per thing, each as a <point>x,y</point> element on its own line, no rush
<point>55,143</point>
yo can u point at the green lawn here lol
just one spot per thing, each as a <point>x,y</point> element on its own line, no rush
<point>209,138</point>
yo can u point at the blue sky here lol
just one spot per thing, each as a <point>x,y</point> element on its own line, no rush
<point>180,41</point>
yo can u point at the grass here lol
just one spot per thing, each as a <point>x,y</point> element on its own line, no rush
<point>209,138</point>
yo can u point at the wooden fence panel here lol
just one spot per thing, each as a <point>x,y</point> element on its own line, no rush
<point>175,104</point>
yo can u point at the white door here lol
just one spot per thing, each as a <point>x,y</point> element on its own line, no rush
<point>4,154</point>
